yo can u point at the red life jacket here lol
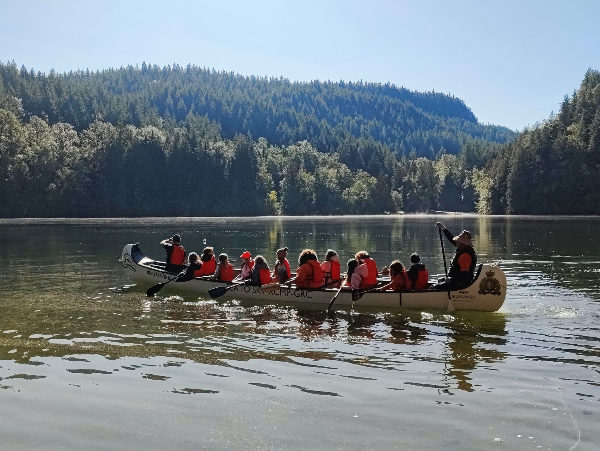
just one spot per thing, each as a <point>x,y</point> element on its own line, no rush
<point>198,270</point>
<point>335,270</point>
<point>371,279</point>
<point>287,267</point>
<point>422,280</point>
<point>333,274</point>
<point>226,274</point>
<point>209,267</point>
<point>178,255</point>
<point>265,276</point>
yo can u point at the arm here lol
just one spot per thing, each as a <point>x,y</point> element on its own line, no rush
<point>447,233</point>
<point>217,273</point>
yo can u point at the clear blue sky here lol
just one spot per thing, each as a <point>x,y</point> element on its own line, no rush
<point>510,61</point>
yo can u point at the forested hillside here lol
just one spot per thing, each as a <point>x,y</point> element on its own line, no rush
<point>172,141</point>
<point>552,168</point>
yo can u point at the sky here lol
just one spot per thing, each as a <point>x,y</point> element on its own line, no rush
<point>512,62</point>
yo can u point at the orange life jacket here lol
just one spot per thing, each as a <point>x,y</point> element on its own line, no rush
<point>178,255</point>
<point>209,267</point>
<point>226,274</point>
<point>265,276</point>
<point>315,278</point>
<point>371,279</point>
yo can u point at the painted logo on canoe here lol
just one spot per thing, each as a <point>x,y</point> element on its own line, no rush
<point>489,284</point>
<point>128,262</point>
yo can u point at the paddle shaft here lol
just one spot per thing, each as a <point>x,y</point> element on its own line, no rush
<point>443,252</point>
<point>450,305</point>
<point>334,298</point>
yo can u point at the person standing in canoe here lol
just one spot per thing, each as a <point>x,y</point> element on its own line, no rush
<point>366,271</point>
<point>247,265</point>
<point>175,254</point>
<point>310,274</point>
<point>331,269</point>
<point>224,271</point>
<point>282,272</point>
<point>209,264</point>
<point>462,266</point>
<point>261,274</point>
<point>417,274</point>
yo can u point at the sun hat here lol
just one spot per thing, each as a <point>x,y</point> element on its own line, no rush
<point>464,238</point>
<point>246,254</point>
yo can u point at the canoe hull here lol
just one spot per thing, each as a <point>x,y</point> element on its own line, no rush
<point>487,293</point>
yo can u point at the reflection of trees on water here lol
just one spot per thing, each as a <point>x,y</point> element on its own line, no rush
<point>467,342</point>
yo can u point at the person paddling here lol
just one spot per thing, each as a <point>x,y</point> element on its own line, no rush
<point>261,274</point>
<point>224,271</point>
<point>417,273</point>
<point>282,272</point>
<point>331,269</point>
<point>175,254</point>
<point>209,264</point>
<point>352,265</point>
<point>367,270</point>
<point>193,270</point>
<point>309,275</point>
<point>462,266</point>
<point>247,265</point>
<point>398,279</point>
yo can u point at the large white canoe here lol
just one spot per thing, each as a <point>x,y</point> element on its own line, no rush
<point>486,293</point>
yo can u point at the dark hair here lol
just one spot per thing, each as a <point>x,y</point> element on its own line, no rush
<point>193,257</point>
<point>396,267</point>
<point>330,253</point>
<point>414,258</point>
<point>207,250</point>
<point>306,255</point>
<point>206,257</point>
<point>223,258</point>
<point>352,265</point>
<point>176,238</point>
<point>259,259</point>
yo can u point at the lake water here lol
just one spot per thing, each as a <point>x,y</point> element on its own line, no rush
<point>86,366</point>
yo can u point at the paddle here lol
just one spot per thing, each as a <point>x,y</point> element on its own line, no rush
<point>450,304</point>
<point>334,298</point>
<point>217,292</point>
<point>159,286</point>
<point>356,295</point>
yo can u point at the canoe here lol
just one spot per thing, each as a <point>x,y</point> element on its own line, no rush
<point>486,293</point>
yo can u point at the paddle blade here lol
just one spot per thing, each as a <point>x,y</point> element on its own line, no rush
<point>155,289</point>
<point>217,292</point>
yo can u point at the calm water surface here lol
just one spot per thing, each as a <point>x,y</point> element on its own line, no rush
<point>88,364</point>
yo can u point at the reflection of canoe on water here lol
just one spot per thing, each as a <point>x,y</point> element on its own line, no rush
<point>487,292</point>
